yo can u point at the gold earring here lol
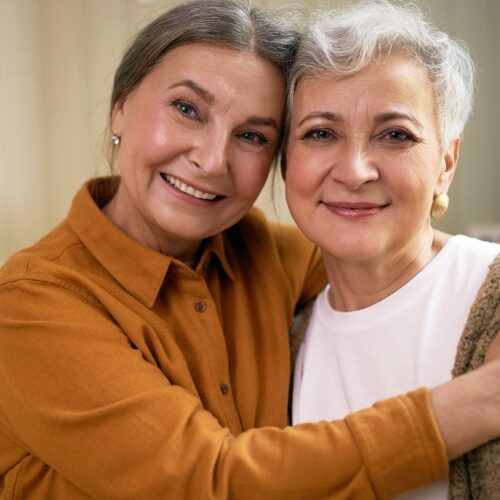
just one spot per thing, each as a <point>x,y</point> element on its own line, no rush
<point>439,205</point>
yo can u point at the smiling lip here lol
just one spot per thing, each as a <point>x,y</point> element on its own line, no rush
<point>354,210</point>
<point>189,190</point>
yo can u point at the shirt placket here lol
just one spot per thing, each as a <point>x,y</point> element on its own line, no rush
<point>207,322</point>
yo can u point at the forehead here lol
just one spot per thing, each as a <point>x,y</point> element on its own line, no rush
<point>395,82</point>
<point>217,63</point>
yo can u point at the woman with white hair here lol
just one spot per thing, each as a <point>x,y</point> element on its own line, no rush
<point>380,99</point>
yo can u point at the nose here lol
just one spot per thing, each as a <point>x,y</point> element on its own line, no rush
<point>354,166</point>
<point>210,152</point>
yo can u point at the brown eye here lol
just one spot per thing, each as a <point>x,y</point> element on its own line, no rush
<point>399,136</point>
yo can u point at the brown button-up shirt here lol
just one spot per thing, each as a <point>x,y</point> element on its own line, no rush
<point>124,374</point>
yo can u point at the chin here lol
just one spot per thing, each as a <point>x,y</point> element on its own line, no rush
<point>351,249</point>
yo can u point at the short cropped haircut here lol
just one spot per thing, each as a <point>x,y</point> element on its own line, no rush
<point>344,41</point>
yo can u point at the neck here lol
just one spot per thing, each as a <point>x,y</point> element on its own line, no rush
<point>185,251</point>
<point>356,285</point>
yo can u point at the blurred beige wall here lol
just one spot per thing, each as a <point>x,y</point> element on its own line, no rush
<point>57,59</point>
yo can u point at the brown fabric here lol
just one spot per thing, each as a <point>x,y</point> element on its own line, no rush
<point>476,475</point>
<point>298,330</point>
<point>125,374</point>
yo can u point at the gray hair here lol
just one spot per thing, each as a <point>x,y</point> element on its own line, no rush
<point>227,23</point>
<point>344,41</point>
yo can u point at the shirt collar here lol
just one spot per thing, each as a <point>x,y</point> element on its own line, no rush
<point>218,246</point>
<point>136,267</point>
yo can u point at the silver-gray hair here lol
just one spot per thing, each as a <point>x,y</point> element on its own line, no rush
<point>343,42</point>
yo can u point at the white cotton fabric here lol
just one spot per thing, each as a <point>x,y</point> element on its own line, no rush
<point>349,360</point>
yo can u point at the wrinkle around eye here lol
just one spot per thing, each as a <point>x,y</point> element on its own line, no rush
<point>319,135</point>
<point>253,137</point>
<point>185,109</point>
<point>398,135</point>
<point>404,141</point>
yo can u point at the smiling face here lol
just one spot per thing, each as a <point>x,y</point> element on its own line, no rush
<point>198,136</point>
<point>364,160</point>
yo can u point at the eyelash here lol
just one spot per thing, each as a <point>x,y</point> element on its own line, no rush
<point>259,138</point>
<point>402,136</point>
<point>322,134</point>
<point>314,134</point>
<point>179,105</point>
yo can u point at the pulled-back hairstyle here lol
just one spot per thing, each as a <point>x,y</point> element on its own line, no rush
<point>342,42</point>
<point>226,23</point>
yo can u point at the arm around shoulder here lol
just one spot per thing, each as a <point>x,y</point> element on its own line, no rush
<point>79,399</point>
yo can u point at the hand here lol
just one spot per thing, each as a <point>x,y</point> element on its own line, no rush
<point>494,350</point>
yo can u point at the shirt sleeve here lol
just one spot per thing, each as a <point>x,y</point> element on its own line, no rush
<point>78,397</point>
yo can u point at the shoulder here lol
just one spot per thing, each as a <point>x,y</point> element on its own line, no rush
<point>480,330</point>
<point>53,262</point>
<point>482,322</point>
<point>256,224</point>
<point>282,249</point>
<point>262,235</point>
<point>474,249</point>
<point>468,259</point>
<point>488,297</point>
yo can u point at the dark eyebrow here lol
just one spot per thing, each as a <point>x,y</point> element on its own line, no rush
<point>260,120</point>
<point>327,115</point>
<point>204,94</point>
<point>394,115</point>
<point>210,99</point>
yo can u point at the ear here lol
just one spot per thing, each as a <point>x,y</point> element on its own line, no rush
<point>448,166</point>
<point>117,117</point>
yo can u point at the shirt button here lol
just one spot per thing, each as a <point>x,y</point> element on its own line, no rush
<point>200,307</point>
<point>224,389</point>
<point>206,266</point>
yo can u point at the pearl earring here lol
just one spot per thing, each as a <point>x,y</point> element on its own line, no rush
<point>115,139</point>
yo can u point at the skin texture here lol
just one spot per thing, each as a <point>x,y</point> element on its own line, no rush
<point>368,141</point>
<point>467,408</point>
<point>213,129</point>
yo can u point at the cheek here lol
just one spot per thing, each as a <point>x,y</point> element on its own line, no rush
<point>415,175</point>
<point>250,178</point>
<point>149,133</point>
<point>298,179</point>
<point>414,197</point>
<point>298,195</point>
<point>155,141</point>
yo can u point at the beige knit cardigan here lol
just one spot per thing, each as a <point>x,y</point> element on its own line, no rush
<point>476,475</point>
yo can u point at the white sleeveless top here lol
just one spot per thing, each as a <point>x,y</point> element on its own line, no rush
<point>350,360</point>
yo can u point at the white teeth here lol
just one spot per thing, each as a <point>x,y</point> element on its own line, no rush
<point>181,186</point>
